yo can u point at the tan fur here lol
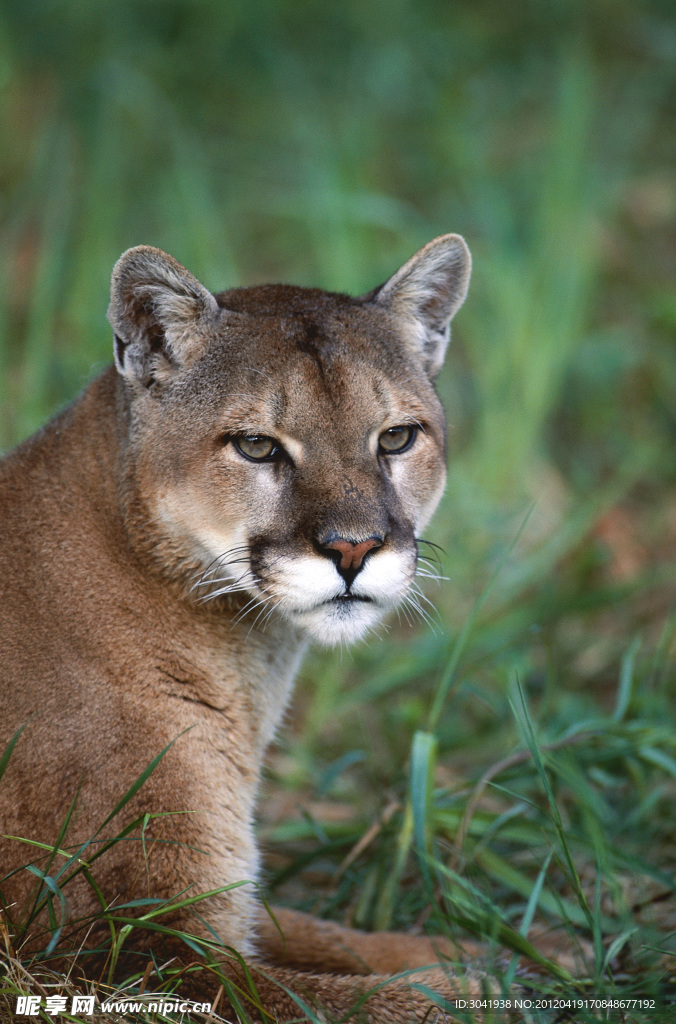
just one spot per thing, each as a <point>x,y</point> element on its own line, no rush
<point>160,588</point>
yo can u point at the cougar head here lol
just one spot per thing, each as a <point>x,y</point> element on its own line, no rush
<point>287,443</point>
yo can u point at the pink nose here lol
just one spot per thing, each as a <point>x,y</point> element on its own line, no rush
<point>351,554</point>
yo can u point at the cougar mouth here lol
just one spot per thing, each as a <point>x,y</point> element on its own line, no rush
<point>336,601</point>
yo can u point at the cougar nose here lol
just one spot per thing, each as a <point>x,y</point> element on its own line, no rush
<point>351,553</point>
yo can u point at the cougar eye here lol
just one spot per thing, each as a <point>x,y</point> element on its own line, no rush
<point>257,447</point>
<point>397,439</point>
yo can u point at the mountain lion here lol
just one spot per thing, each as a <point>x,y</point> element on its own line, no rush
<point>250,475</point>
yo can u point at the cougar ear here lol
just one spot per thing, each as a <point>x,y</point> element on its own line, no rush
<point>160,315</point>
<point>427,292</point>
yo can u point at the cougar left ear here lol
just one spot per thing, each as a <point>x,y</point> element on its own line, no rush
<point>427,292</point>
<point>161,315</point>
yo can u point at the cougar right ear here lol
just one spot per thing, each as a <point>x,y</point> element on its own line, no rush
<point>427,292</point>
<point>161,315</point>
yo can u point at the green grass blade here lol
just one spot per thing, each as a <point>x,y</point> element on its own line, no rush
<point>626,684</point>
<point>423,761</point>
<point>521,713</point>
<point>7,752</point>
<point>134,788</point>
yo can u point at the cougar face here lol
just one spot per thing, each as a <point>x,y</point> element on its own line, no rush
<point>288,442</point>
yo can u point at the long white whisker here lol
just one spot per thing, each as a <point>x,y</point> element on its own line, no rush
<point>418,592</point>
<point>206,577</point>
<point>268,615</point>
<point>254,602</point>
<point>223,557</point>
<point>404,611</point>
<point>224,592</point>
<point>263,616</point>
<point>431,567</point>
<point>415,605</point>
<point>221,579</point>
<point>431,575</point>
<point>232,586</point>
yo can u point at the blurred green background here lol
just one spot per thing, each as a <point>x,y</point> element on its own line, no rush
<point>322,144</point>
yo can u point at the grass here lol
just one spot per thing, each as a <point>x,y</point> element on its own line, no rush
<point>508,772</point>
<point>547,832</point>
